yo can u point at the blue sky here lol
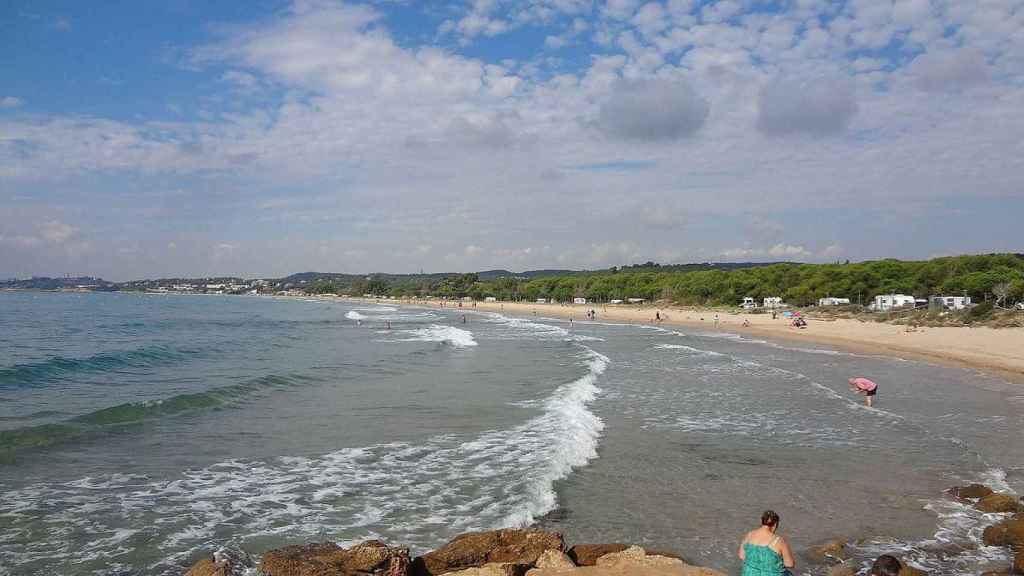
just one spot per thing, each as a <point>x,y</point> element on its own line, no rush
<point>270,137</point>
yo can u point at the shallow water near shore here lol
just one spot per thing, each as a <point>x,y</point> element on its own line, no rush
<point>137,432</point>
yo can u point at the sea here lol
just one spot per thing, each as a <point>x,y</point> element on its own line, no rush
<point>139,433</point>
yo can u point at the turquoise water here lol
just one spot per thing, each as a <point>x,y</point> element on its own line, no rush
<point>138,432</point>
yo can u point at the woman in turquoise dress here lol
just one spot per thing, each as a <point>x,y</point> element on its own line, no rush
<point>765,553</point>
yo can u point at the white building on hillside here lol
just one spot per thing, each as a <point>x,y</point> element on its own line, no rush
<point>833,301</point>
<point>949,302</point>
<point>885,302</point>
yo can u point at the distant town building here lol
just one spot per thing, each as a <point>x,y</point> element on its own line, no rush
<point>833,301</point>
<point>884,302</point>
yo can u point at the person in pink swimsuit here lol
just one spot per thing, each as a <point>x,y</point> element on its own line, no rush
<point>866,387</point>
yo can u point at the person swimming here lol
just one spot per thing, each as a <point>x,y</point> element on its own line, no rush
<point>765,553</point>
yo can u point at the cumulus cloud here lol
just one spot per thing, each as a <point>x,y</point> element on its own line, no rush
<point>949,70</point>
<point>481,130</point>
<point>781,251</point>
<point>56,232</point>
<point>652,110</point>
<point>819,107</point>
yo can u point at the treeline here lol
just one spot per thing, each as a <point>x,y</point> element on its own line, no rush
<point>983,277</point>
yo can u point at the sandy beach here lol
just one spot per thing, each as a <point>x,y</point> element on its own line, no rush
<point>998,351</point>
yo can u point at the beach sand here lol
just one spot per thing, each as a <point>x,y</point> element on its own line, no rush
<point>997,351</point>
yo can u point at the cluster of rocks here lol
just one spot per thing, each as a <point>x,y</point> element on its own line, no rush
<point>834,554</point>
<point>531,552</point>
<point>1006,532</point>
<point>508,552</point>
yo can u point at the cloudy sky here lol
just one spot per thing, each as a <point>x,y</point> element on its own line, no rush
<point>259,138</point>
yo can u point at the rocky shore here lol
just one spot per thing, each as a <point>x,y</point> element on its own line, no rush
<point>533,552</point>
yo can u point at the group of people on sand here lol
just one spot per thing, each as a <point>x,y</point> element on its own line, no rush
<point>766,553</point>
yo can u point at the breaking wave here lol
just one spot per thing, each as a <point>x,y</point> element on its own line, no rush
<point>419,494</point>
<point>451,335</point>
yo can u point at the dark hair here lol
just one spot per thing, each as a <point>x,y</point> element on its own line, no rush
<point>886,565</point>
<point>769,518</point>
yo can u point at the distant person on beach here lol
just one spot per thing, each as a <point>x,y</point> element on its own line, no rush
<point>765,553</point>
<point>866,387</point>
<point>886,565</point>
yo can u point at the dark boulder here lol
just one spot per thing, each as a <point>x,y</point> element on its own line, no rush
<point>587,554</point>
<point>507,546</point>
<point>1006,533</point>
<point>971,491</point>
<point>329,559</point>
<point>997,502</point>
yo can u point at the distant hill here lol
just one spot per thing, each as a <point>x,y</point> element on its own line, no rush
<point>67,283</point>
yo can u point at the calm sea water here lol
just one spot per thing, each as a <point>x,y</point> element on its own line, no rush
<point>139,432</point>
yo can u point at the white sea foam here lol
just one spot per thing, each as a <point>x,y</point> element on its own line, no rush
<point>353,315</point>
<point>456,337</point>
<point>688,349</point>
<point>960,526</point>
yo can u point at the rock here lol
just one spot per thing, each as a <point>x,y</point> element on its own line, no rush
<point>329,559</point>
<point>831,549</point>
<point>636,557</point>
<point>207,567</point>
<point>494,569</point>
<point>972,491</point>
<point>587,554</point>
<point>997,502</point>
<point>509,546</point>
<point>554,560</point>
<point>1018,561</point>
<point>223,563</point>
<point>1006,533</point>
<point>841,569</point>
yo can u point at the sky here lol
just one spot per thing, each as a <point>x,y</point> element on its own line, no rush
<point>267,137</point>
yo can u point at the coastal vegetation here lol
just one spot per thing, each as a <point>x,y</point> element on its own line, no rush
<point>993,277</point>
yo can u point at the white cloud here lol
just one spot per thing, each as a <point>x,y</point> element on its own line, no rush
<point>10,102</point>
<point>56,232</point>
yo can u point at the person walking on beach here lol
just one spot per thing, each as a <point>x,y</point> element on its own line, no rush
<point>765,553</point>
<point>866,387</point>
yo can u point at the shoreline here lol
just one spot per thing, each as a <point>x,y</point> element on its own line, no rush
<point>998,352</point>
